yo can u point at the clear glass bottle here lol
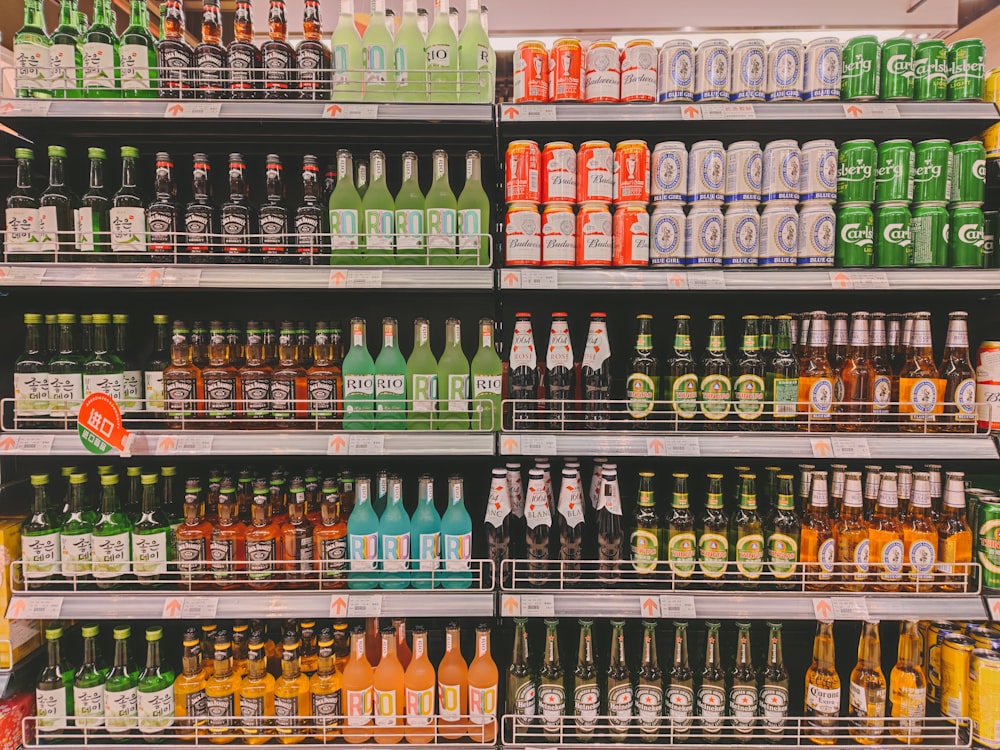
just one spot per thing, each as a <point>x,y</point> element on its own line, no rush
<point>868,689</point>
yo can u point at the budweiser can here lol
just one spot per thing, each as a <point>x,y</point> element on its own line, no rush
<point>631,172</point>
<point>666,235</point>
<point>703,235</point>
<point>817,234</point>
<point>743,171</point>
<point>593,235</point>
<point>595,172</point>
<point>523,165</point>
<point>706,171</point>
<point>675,71</point>
<point>822,69</point>
<point>779,235</point>
<point>602,76</point>
<point>558,173</point>
<point>638,71</point>
<point>524,235</point>
<point>669,171</point>
<point>566,71</point>
<point>988,385</point>
<point>740,235</point>
<point>531,72</point>
<point>631,235</point>
<point>748,76</point>
<point>818,173</point>
<point>781,171</point>
<point>711,71</point>
<point>784,71</point>
<point>558,235</point>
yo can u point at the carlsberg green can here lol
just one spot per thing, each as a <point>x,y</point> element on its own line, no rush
<point>859,76</point>
<point>929,231</point>
<point>989,238</point>
<point>894,171</point>
<point>893,243</point>
<point>896,69</point>
<point>968,178</point>
<point>930,71</point>
<point>856,162</point>
<point>965,237</point>
<point>932,172</point>
<point>966,69</point>
<point>855,236</point>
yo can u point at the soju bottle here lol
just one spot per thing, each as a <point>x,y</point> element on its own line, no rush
<point>56,215</point>
<point>54,687</point>
<point>139,77</point>
<point>453,381</point>
<point>21,214</point>
<point>65,54</point>
<point>359,381</point>
<point>390,381</point>
<point>642,388</point>
<point>32,50</point>
<point>441,214</point>
<point>473,216</point>
<point>362,539</point>
<point>345,210</point>
<point>456,538</point>
<point>41,544</point>
<point>421,378</point>
<point>409,214</point>
<point>112,537</point>
<point>155,688</point>
<point>774,690</point>
<point>782,377</point>
<point>713,541</point>
<point>425,536</point>
<point>100,54</point>
<point>649,687</point>
<point>410,57</point>
<point>681,544</point>
<point>442,56</point>
<point>680,687</point>
<point>377,211</point>
<point>379,56</point>
<point>151,547</point>
<point>712,691</point>
<point>551,685</point>
<point>486,371</point>
<point>88,684</point>
<point>121,699</point>
<point>716,386</point>
<point>348,57</point>
<point>645,542</point>
<point>76,535</point>
<point>93,217</point>
<point>538,523</point>
<point>521,689</point>
<point>128,215</point>
<point>743,695</point>
<point>31,378</point>
<point>394,539</point>
<point>103,372</point>
<point>746,537</point>
<point>620,697</point>
<point>475,84</point>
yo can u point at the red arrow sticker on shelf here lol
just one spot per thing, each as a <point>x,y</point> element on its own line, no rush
<point>841,280</point>
<point>26,108</point>
<point>512,279</point>
<point>823,609</point>
<point>510,446</point>
<point>880,111</point>
<point>995,610</point>
<point>530,113</point>
<point>337,446</point>
<point>35,608</point>
<point>350,112</point>
<point>338,605</point>
<point>655,447</point>
<point>337,279</point>
<point>511,605</point>
<point>821,447</point>
<point>171,608</point>
<point>677,281</point>
<point>193,109</point>
<point>649,606</point>
<point>691,112</point>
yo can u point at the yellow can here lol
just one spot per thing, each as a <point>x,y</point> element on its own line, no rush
<point>991,139</point>
<point>955,657</point>
<point>936,633</point>
<point>985,637</point>
<point>984,687</point>
<point>992,89</point>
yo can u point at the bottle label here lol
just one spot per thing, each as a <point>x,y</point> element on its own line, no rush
<point>449,703</point>
<point>149,554</point>
<point>48,226</point>
<point>457,552</point>
<point>524,699</point>
<point>598,347</point>
<point>241,58</point>
<point>482,704</point>
<point>278,62</point>
<point>222,552</point>
<point>470,227</point>
<point>442,226</point>
<point>334,556</point>
<point>256,395</point>
<point>786,396</point>
<point>77,554</point>
<point>782,555</point>
<point>640,390</point>
<point>457,399</point>
<point>285,708</point>
<point>156,711</point>
<point>197,222</point>
<point>680,702</point>
<point>409,229</point>
<point>190,553</point>
<point>134,66</point>
<point>376,68</point>
<point>908,703</point>
<point>385,708</point>
<point>817,393</point>
<point>325,708</point>
<point>88,706</point>
<point>921,398</point>
<point>881,395</point>
<point>645,546</point>
<point>682,552</point>
<point>922,556</point>
<point>743,707</point>
<point>273,229</point>
<point>33,63</point>
<point>196,703</point>
<point>22,226</point>
<point>378,229</point>
<point>41,554</point>
<point>620,706</point>
<point>423,392</point>
<point>220,397</point>
<point>750,555</point>
<point>711,706</point>
<point>891,557</point>
<point>822,701</point>
<point>110,555</point>
<point>536,511</point>
<point>62,63</point>
<point>260,559</point>
<point>282,398</point>
<point>308,58</point>
<point>390,385</point>
<point>684,396</point>
<point>98,65</point>
<point>221,709</point>
<point>359,707</point>
<point>31,394</point>
<point>964,401</point>
<point>322,397</point>
<point>649,706</point>
<point>121,708</point>
<point>251,711</point>
<point>130,393</point>
<point>868,704</point>
<point>826,557</point>
<point>344,228</point>
<point>715,393</point>
<point>210,60</point>
<point>586,706</point>
<point>180,395</point>
<point>112,384</point>
<point>483,385</point>
<point>359,386</point>
<point>748,393</point>
<point>713,550</point>
<point>128,229</point>
<point>307,229</point>
<point>552,704</point>
<point>50,708</point>
<point>395,552</point>
<point>774,707</point>
<point>364,552</point>
<point>439,56</point>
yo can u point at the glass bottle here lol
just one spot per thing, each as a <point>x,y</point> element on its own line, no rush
<point>394,539</point>
<point>291,693</point>
<point>483,690</point>
<point>359,381</point>
<point>31,379</point>
<point>277,55</point>
<point>261,540</point>
<point>21,213</point>
<point>93,216</point>
<point>221,378</point>
<point>273,213</point>
<point>200,217</point>
<point>838,342</point>
<point>921,389</point>
<point>390,381</point>
<point>32,51</point>
<point>538,528</point>
<point>486,373</point>
<point>620,697</point>
<point>774,687</point>
<point>681,390</point>
<point>121,702</point>
<point>151,537</point>
<point>473,209</point>
<point>476,64</point>
<point>237,215</point>
<point>440,214</point>
<point>289,387</point>
<point>325,688</point>
<point>137,51</point>
<point>190,700</point>
<point>959,377</point>
<point>309,222</point>
<point>881,368</point>
<point>816,376</point>
<point>222,691</point>
<point>378,51</point>
<point>101,62</point>
<point>822,688</point>
<point>712,691</point>
<point>163,214</point>
<point>408,215</point>
<point>421,378</point>
<point>552,690</point>
<point>920,537</point>
<point>41,543</point>
<point>256,694</point>
<point>228,543</point>
<point>453,687</point>
<point>56,225</point>
<point>363,539</point>
<point>175,56</point>
<point>111,537</point>
<point>713,539</point>
<point>345,209</point>
<point>521,684</point>
<point>908,687</point>
<point>357,691</point>
<point>749,385</point>
<point>854,380</point>
<point>456,538</point>
<point>312,56</point>
<point>819,550</point>
<point>418,687</point>
<point>645,543</point>
<point>155,688</point>
<point>65,54</point>
<point>782,377</point>
<point>243,56</point>
<point>348,57</point>
<point>570,521</point>
<point>255,377</point>
<point>103,372</point>
<point>954,536</point>
<point>715,388</point>
<point>453,379</point>
<point>680,690</point>
<point>610,534</point>
<point>743,695</point>
<point>747,534</point>
<point>868,689</point>
<point>559,375</point>
<point>54,687</point>
<point>330,538</point>
<point>127,214</point>
<point>642,387</point>
<point>595,373</point>
<point>442,56</point>
<point>784,536</point>
<point>88,684</point>
<point>885,537</point>
<point>850,534</point>
<point>425,533</point>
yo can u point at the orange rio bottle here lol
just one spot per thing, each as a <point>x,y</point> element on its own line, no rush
<point>357,686</point>
<point>483,681</point>
<point>453,686</point>
<point>388,685</point>
<point>418,684</point>
<point>885,537</point>
<point>403,652</point>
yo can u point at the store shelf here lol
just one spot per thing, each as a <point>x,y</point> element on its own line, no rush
<point>22,675</point>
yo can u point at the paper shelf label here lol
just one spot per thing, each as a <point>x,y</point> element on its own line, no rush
<point>649,606</point>
<point>851,448</point>
<point>21,275</point>
<point>35,608</point>
<point>364,279</point>
<point>728,112</point>
<point>350,112</point>
<point>364,605</point>
<point>190,607</point>
<point>185,277</point>
<point>840,608</point>
<point>366,445</point>
<point>28,445</point>
<point>510,445</point>
<point>869,111</point>
<point>859,280</point>
<point>25,108</point>
<point>821,447</point>
<point>677,606</point>
<point>530,113</point>
<point>151,277</point>
<point>682,446</point>
<point>537,605</point>
<point>338,605</point>
<point>707,280</point>
<point>539,445</point>
<point>534,279</point>
<point>193,109</point>
<point>184,445</point>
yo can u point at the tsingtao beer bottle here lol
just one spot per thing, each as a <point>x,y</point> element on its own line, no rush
<point>596,373</point>
<point>749,388</point>
<point>715,389</point>
<point>713,540</point>
<point>746,536</point>
<point>681,544</point>
<point>642,388</point>
<point>682,381</point>
<point>645,541</point>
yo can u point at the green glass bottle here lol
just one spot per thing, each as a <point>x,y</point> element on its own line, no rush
<point>409,216</point>
<point>121,702</point>
<point>377,208</point>
<point>552,685</point>
<point>31,54</point>
<point>66,54</point>
<point>453,381</point>
<point>442,56</point>
<point>421,378</point>
<point>31,379</point>
<point>54,687</point>
<point>128,213</point>
<point>88,684</point>
<point>473,215</point>
<point>520,678</point>
<point>112,537</point>
<point>131,374</point>
<point>65,372</point>
<point>784,536</point>
<point>475,83</point>
<point>100,55</point>
<point>93,218</point>
<point>359,381</point>
<point>103,372</point>
<point>40,539</point>
<point>348,57</point>
<point>713,541</point>
<point>378,51</point>
<point>390,380</point>
<point>411,57</point>
<point>133,493</point>
<point>620,696</point>
<point>21,216</point>
<point>749,385</point>
<point>712,691</point>
<point>56,218</point>
<point>586,690</point>
<point>137,52</point>
<point>744,698</point>
<point>681,546</point>
<point>782,377</point>
<point>155,689</point>
<point>486,373</point>
<point>642,388</point>
<point>680,691</point>
<point>440,210</point>
<point>716,386</point>
<point>345,212</point>
<point>76,535</point>
<point>151,548</point>
<point>746,536</point>
<point>644,541</point>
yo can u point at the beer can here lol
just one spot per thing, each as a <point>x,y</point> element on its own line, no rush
<point>675,71</point>
<point>595,172</point>
<point>975,496</point>
<point>956,657</point>
<point>703,236</point>
<point>896,69</point>
<point>558,173</point>
<point>666,234</point>
<point>602,78</point>
<point>706,171</point>
<point>669,171</point>
<point>859,79</point>
<point>631,235</point>
<point>984,636</point>
<point>822,72</point>
<point>989,238</point>
<point>988,397</point>
<point>784,71</point>
<point>893,243</point>
<point>712,71</point>
<point>855,236</point>
<point>966,70</point>
<point>741,230</point>
<point>748,71</point>
<point>817,234</point>
<point>932,171</point>
<point>523,164</point>
<point>930,71</point>
<point>991,141</point>
<point>593,235</point>
<point>779,232</point>
<point>894,171</point>
<point>818,172</point>
<point>566,67</point>
<point>531,72</point>
<point>991,88</point>
<point>856,163</point>
<point>781,169</point>
<point>638,71</point>
<point>523,235</point>
<point>631,172</point>
<point>929,231</point>
<point>558,235</point>
<point>984,687</point>
<point>934,639</point>
<point>968,178</point>
<point>987,529</point>
<point>743,172</point>
<point>965,236</point>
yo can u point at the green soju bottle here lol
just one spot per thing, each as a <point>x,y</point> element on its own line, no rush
<point>137,52</point>
<point>112,537</point>
<point>65,55</point>
<point>442,56</point>
<point>40,540</point>
<point>359,381</point>
<point>411,57</point>
<point>77,533</point>
<point>379,56</point>
<point>32,54</point>
<point>441,214</point>
<point>453,381</point>
<point>88,684</point>
<point>103,372</point>
<point>21,217</point>
<point>56,218</point>
<point>377,207</point>
<point>93,228</point>
<point>390,380</point>
<point>100,54</point>
<point>155,689</point>
<point>421,378</point>
<point>348,57</point>
<point>54,687</point>
<point>487,374</point>
<point>151,547</point>
<point>345,210</point>
<point>31,379</point>
<point>473,216</point>
<point>128,213</point>
<point>409,215</point>
<point>121,700</point>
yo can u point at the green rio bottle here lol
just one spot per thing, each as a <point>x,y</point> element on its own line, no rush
<point>100,55</point>
<point>442,56</point>
<point>473,215</point>
<point>155,689</point>
<point>409,215</point>
<point>440,208</point>
<point>411,57</point>
<point>88,684</point>
<point>453,380</point>
<point>348,57</point>
<point>54,688</point>
<point>359,381</point>
<point>345,210</point>
<point>377,208</point>
<point>137,53</point>
<point>487,375</point>
<point>421,378</point>
<point>390,380</point>
<point>475,83</point>
<point>379,55</point>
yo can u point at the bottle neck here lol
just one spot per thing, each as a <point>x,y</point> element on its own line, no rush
<point>55,656</point>
<point>551,648</point>
<point>153,655</point>
<point>138,15</point>
<point>57,171</point>
<point>680,647</point>
<point>712,649</point>
<point>870,650</point>
<point>109,499</point>
<point>774,656</point>
<point>473,162</point>
<point>67,13</point>
<point>128,172</point>
<point>40,502</point>
<point>33,337</point>
<point>23,176</point>
<point>743,658</point>
<point>121,653</point>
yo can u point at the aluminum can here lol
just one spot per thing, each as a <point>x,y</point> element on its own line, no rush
<point>987,531</point>
<point>990,238</point>
<point>856,165</point>
<point>934,638</point>
<point>706,171</point>
<point>930,71</point>
<point>631,172</point>
<point>558,235</point>
<point>566,68</point>
<point>966,70</point>
<point>593,235</point>
<point>822,73</point>
<point>523,162</point>
<point>523,235</point>
<point>602,78</point>
<point>638,71</point>
<point>968,178</point>
<point>631,235</point>
<point>991,87</point>
<point>894,171</point>
<point>896,69</point>
<point>984,687</point>
<point>741,231</point>
<point>743,171</point>
<point>595,172</point>
<point>893,241</point>
<point>712,71</point>
<point>861,59</point>
<point>669,171</point>
<point>929,229</point>
<point>932,171</point>
<point>785,60</point>
<point>675,71</point>
<point>667,227</point>
<point>779,235</point>
<point>558,173</point>
<point>781,168</point>
<point>748,71</point>
<point>991,141</point>
<point>988,393</point>
<point>817,234</point>
<point>984,636</point>
<point>855,236</point>
<point>818,172</point>
<point>956,658</point>
<point>965,236</point>
<point>703,236</point>
<point>531,72</point>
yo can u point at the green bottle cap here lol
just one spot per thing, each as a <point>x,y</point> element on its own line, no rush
<point>65,318</point>
<point>130,152</point>
<point>96,153</point>
<point>148,479</point>
<point>101,318</point>
<point>119,318</point>
<point>105,469</point>
<point>122,632</point>
<point>90,631</point>
<point>133,471</point>
<point>39,480</point>
<point>53,632</point>
<point>57,151</point>
<point>108,479</point>
<point>160,319</point>
<point>78,478</point>
<point>32,318</point>
<point>50,318</point>
<point>66,471</point>
<point>154,633</point>
<point>24,153</point>
<point>86,318</point>
<point>169,471</point>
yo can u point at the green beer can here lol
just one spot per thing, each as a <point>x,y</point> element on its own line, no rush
<point>859,76</point>
<point>929,230</point>
<point>987,529</point>
<point>968,178</point>
<point>855,236</point>
<point>896,69</point>
<point>894,171</point>
<point>893,243</point>
<point>965,236</point>
<point>932,172</point>
<point>930,71</point>
<point>990,238</point>
<point>856,162</point>
<point>966,69</point>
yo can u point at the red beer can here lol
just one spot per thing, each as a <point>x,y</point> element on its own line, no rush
<point>523,234</point>
<point>531,72</point>
<point>595,172</point>
<point>631,235</point>
<point>631,172</point>
<point>523,167</point>
<point>566,68</point>
<point>594,235</point>
<point>558,235</point>
<point>558,173</point>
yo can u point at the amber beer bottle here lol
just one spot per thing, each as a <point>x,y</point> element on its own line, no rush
<point>715,389</point>
<point>920,536</point>
<point>908,687</point>
<point>749,388</point>
<point>682,381</point>
<point>921,389</point>
<point>822,699</point>
<point>850,535</point>
<point>853,389</point>
<point>885,537</point>
<point>954,536</point>
<point>839,342</point>
<point>818,548</point>
<point>959,377</point>
<point>642,388</point>
<point>816,377</point>
<point>881,368</point>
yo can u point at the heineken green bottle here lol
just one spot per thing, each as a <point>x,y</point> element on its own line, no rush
<point>66,55</point>
<point>137,52</point>
<point>421,378</point>
<point>31,54</point>
<point>112,537</point>
<point>475,84</point>
<point>155,689</point>
<point>103,372</point>
<point>453,380</point>
<point>53,688</point>
<point>487,376</point>
<point>442,56</point>
<point>390,380</point>
<point>345,210</point>
<point>121,701</point>
<point>440,208</point>
<point>77,533</point>
<point>520,679</point>
<point>100,55</point>
<point>409,208</point>
<point>88,684</point>
<point>348,57</point>
<point>359,381</point>
<point>40,541</point>
<point>411,57</point>
<point>473,216</point>
<point>377,208</point>
<point>150,535</point>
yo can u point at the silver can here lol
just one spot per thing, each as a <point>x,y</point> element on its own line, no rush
<point>675,71</point>
<point>669,172</point>
<point>781,171</point>
<point>740,235</point>
<point>743,171</point>
<point>703,236</point>
<point>818,172</point>
<point>712,71</point>
<point>638,71</point>
<point>706,171</point>
<point>822,69</point>
<point>779,235</point>
<point>817,234</point>
<point>748,71</point>
<point>784,71</point>
<point>667,229</point>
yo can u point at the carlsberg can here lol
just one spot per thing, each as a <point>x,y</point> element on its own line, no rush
<point>779,232</point>
<point>856,162</point>
<point>896,70</point>
<point>932,172</point>
<point>989,238</point>
<point>893,243</point>
<point>929,231</point>
<point>855,236</point>
<point>965,237</point>
<point>859,80</point>
<point>966,69</point>
<point>784,70</point>
<point>894,171</point>
<point>930,71</point>
<point>822,76</point>
<point>968,178</point>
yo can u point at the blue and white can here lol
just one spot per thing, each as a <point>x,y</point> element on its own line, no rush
<point>785,59</point>
<point>748,71</point>
<point>781,171</point>
<point>741,230</point>
<point>778,243</point>
<point>703,236</point>
<point>706,171</point>
<point>822,69</point>
<point>743,172</point>
<point>712,71</point>
<point>817,234</point>
<point>669,172</point>
<point>675,71</point>
<point>818,173</point>
<point>667,229</point>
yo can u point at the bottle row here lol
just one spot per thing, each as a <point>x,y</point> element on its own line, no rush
<point>411,63</point>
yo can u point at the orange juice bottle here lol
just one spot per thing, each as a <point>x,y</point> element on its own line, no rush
<point>920,536</point>
<point>453,687</point>
<point>357,697</point>
<point>483,681</point>
<point>885,537</point>
<point>418,683</point>
<point>388,685</point>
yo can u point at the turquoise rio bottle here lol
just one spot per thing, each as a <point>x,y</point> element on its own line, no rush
<point>456,538</point>
<point>394,539</point>
<point>362,538</point>
<point>425,536</point>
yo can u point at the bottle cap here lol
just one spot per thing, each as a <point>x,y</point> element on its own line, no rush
<point>24,153</point>
<point>154,633</point>
<point>39,480</point>
<point>57,151</point>
<point>130,152</point>
<point>108,479</point>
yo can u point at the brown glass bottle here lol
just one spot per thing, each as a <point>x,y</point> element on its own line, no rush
<point>237,213</point>
<point>174,55</point>
<point>853,389</point>
<point>261,540</point>
<point>313,57</point>
<point>881,367</point>
<point>243,55</point>
<point>221,379</point>
<point>816,377</point>
<point>959,377</point>
<point>297,539</point>
<point>210,55</point>
<point>277,55</point>
<point>255,377</point>
<point>289,391</point>
<point>182,384</point>
<point>324,380</point>
<point>921,389</point>
<point>839,342</point>
<point>228,545</point>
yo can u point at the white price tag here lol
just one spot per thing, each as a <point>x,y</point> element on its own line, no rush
<point>849,607</point>
<point>823,609</point>
<point>338,279</point>
<point>150,277</point>
<point>350,111</point>
<point>184,445</point>
<point>994,604</point>
<point>677,606</point>
<point>539,445</point>
<point>339,604</point>
<point>186,277</point>
<point>336,446</point>
<point>364,279</point>
<point>707,280</point>
<point>21,275</point>
<point>537,605</point>
<point>366,445</point>
<point>199,607</point>
<point>511,279</point>
<point>682,446</point>
<point>821,447</point>
<point>193,109</point>
<point>510,605</point>
<point>364,605</point>
<point>677,281</point>
<point>510,445</point>
<point>547,279</point>
<point>529,112</point>
<point>870,280</point>
<point>649,606</point>
<point>25,108</point>
<point>880,111</point>
<point>728,112</point>
<point>35,608</point>
<point>691,112</point>
<point>27,445</point>
<point>851,448</point>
